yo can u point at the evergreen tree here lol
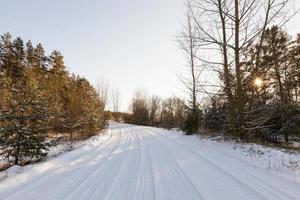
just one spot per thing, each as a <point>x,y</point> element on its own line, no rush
<point>58,83</point>
<point>193,120</point>
<point>294,73</point>
<point>22,132</point>
<point>40,60</point>
<point>275,58</point>
<point>6,53</point>
<point>24,125</point>
<point>36,99</point>
<point>5,64</point>
<point>215,115</point>
<point>83,110</point>
<point>29,54</point>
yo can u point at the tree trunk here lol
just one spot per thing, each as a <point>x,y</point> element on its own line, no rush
<point>226,68</point>
<point>238,74</point>
<point>16,162</point>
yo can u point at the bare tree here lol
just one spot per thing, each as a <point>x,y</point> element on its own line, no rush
<point>191,80</point>
<point>103,91</point>
<point>115,96</point>
<point>226,27</point>
<point>154,108</point>
<point>188,44</point>
<point>140,108</point>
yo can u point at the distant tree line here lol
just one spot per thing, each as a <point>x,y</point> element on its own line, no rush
<point>155,111</point>
<point>40,101</point>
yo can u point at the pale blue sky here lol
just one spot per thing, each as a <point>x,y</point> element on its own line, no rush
<point>130,43</point>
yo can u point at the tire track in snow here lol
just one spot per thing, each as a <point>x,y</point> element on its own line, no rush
<point>87,188</point>
<point>141,163</point>
<point>68,177</point>
<point>104,181</point>
<point>224,173</point>
<point>138,170</point>
<point>145,188</point>
<point>37,181</point>
<point>276,195</point>
<point>242,171</point>
<point>217,169</point>
<point>188,188</point>
<point>126,177</point>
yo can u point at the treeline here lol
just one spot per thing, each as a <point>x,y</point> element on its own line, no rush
<point>154,111</point>
<point>40,101</point>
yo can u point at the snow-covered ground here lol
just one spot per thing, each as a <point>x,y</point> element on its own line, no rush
<point>279,161</point>
<point>134,162</point>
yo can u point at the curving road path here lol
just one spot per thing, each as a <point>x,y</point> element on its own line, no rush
<point>141,163</point>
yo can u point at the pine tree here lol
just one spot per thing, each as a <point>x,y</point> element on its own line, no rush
<point>215,115</point>
<point>58,83</point>
<point>275,58</point>
<point>6,53</point>
<point>22,134</point>
<point>193,120</point>
<point>25,126</point>
<point>5,63</point>
<point>83,109</point>
<point>40,60</point>
<point>294,73</point>
<point>38,95</point>
<point>29,54</point>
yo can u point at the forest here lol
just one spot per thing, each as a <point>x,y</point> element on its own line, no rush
<point>41,103</point>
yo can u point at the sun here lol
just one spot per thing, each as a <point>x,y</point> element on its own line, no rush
<point>258,82</point>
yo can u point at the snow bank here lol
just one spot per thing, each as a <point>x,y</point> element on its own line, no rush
<point>54,151</point>
<point>280,161</point>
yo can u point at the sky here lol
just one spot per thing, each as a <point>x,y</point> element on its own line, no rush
<point>129,43</point>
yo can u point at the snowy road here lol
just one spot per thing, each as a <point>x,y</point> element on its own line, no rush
<point>140,163</point>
